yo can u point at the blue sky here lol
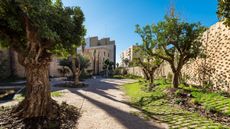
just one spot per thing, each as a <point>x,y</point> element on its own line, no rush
<point>117,18</point>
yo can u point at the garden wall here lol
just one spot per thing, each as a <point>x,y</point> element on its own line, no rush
<point>215,67</point>
<point>163,71</point>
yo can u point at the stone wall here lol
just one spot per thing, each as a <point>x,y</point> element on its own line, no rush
<point>53,68</point>
<point>215,67</point>
<point>162,71</point>
<point>135,71</point>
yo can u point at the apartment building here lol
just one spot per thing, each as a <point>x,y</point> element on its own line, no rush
<point>99,50</point>
<point>129,54</point>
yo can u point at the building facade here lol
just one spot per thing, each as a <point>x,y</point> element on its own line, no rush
<point>129,54</point>
<point>99,50</point>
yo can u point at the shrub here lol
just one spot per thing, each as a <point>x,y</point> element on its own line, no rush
<point>194,101</point>
<point>117,71</point>
<point>179,101</point>
<point>124,71</point>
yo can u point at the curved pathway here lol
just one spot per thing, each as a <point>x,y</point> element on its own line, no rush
<point>102,106</point>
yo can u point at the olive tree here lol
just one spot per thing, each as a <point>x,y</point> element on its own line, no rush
<point>148,63</point>
<point>174,41</point>
<point>76,59</point>
<point>36,30</point>
<point>81,63</point>
<point>108,67</point>
<point>223,11</point>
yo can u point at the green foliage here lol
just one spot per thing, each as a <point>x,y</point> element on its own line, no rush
<point>84,63</point>
<point>56,29</point>
<point>127,76</point>
<point>108,64</point>
<point>56,94</point>
<point>172,40</point>
<point>146,61</point>
<point>190,88</point>
<point>118,71</point>
<point>178,92</point>
<point>157,105</point>
<point>224,11</point>
<point>213,102</point>
<point>66,63</point>
<point>108,67</point>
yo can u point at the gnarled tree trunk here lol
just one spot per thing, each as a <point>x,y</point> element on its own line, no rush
<point>151,83</point>
<point>77,76</point>
<point>175,79</point>
<point>145,74</point>
<point>37,102</point>
<point>76,70</point>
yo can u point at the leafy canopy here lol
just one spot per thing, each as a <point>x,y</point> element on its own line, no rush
<point>84,62</point>
<point>172,40</point>
<point>108,64</point>
<point>224,11</point>
<point>57,29</point>
<point>143,59</point>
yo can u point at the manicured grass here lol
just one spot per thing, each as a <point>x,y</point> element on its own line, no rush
<point>135,91</point>
<point>56,94</point>
<point>128,76</point>
<point>213,101</point>
<point>209,100</point>
<point>159,106</point>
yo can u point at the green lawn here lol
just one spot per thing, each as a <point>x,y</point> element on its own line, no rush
<point>209,100</point>
<point>158,105</point>
<point>56,94</point>
<point>128,76</point>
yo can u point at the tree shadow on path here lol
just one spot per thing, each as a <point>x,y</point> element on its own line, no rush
<point>125,118</point>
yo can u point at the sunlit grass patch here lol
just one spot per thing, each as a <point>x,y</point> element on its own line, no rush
<point>19,97</point>
<point>56,94</point>
<point>213,101</point>
<point>128,76</point>
<point>157,104</point>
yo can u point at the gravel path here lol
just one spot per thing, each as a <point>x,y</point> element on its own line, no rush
<point>102,106</point>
